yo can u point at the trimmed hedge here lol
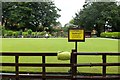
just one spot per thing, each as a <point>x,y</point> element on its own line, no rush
<point>20,34</point>
<point>115,35</point>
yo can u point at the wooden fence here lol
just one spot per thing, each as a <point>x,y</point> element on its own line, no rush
<point>73,75</point>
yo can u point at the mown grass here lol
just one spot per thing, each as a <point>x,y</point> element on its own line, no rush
<point>60,44</point>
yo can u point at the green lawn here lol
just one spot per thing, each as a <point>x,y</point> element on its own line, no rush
<point>60,44</point>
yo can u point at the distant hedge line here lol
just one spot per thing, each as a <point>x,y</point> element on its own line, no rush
<point>115,35</point>
<point>30,34</point>
<point>20,34</point>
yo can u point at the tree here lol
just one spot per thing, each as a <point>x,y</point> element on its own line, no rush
<point>31,15</point>
<point>71,21</point>
<point>15,15</point>
<point>94,15</point>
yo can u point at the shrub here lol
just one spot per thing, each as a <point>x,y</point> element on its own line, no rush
<point>110,34</point>
<point>42,33</point>
<point>20,32</point>
<point>29,31</point>
<point>116,35</point>
<point>25,34</point>
<point>9,33</point>
<point>33,34</point>
<point>102,34</point>
<point>15,34</point>
<point>2,31</point>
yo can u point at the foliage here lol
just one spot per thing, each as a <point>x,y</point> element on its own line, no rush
<point>9,33</point>
<point>2,30</point>
<point>29,31</point>
<point>110,35</point>
<point>20,32</point>
<point>42,33</point>
<point>16,34</point>
<point>94,15</point>
<point>30,15</point>
<point>25,34</point>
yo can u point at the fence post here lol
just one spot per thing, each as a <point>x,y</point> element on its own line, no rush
<point>17,67</point>
<point>73,64</point>
<point>104,67</point>
<point>43,67</point>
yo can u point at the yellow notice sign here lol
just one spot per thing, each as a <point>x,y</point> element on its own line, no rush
<point>76,35</point>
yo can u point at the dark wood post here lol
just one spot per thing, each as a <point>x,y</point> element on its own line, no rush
<point>17,67</point>
<point>104,67</point>
<point>76,46</point>
<point>73,64</point>
<point>43,67</point>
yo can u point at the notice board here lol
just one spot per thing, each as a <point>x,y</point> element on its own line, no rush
<point>76,34</point>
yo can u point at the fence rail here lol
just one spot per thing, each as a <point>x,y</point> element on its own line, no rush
<point>73,75</point>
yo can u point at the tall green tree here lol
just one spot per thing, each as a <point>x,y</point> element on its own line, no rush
<point>95,15</point>
<point>31,15</point>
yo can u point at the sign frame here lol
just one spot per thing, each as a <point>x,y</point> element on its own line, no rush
<point>76,40</point>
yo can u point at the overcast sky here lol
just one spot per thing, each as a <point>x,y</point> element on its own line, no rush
<point>69,8</point>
